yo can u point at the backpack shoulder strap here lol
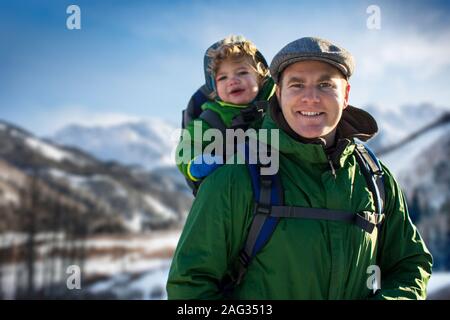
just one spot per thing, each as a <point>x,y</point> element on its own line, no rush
<point>373,172</point>
<point>267,191</point>
<point>193,109</point>
<point>255,111</point>
<point>213,119</point>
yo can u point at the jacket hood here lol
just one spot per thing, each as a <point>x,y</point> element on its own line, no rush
<point>209,77</point>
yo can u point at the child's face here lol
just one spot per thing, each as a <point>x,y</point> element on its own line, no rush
<point>236,81</point>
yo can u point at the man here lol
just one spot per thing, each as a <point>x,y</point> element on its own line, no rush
<point>305,258</point>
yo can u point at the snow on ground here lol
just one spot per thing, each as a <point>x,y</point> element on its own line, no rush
<point>48,150</point>
<point>82,182</point>
<point>16,134</point>
<point>135,267</point>
<point>119,274</point>
<point>153,283</point>
<point>152,242</point>
<point>8,239</point>
<point>9,197</point>
<point>73,179</point>
<point>150,284</point>
<point>438,281</point>
<point>160,209</point>
<point>14,275</point>
<point>128,263</point>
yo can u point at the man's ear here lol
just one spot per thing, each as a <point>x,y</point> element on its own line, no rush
<point>347,95</point>
<point>278,92</point>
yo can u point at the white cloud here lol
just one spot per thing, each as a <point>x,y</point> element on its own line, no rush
<point>419,55</point>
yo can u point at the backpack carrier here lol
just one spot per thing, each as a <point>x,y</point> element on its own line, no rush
<point>269,208</point>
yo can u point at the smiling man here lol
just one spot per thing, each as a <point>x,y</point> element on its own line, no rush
<point>313,95</point>
<point>330,222</point>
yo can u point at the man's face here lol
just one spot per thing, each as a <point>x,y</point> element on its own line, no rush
<point>236,81</point>
<point>312,96</point>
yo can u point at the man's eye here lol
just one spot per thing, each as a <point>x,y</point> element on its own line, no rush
<point>297,85</point>
<point>325,85</point>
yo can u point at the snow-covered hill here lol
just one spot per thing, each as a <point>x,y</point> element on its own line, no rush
<point>150,143</point>
<point>397,123</point>
<point>422,168</point>
<point>113,194</point>
<point>146,143</point>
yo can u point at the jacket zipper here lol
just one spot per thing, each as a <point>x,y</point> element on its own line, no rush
<point>333,171</point>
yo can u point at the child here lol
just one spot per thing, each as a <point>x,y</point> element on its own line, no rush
<point>237,75</point>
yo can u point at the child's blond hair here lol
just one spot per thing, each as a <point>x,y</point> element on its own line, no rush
<point>236,48</point>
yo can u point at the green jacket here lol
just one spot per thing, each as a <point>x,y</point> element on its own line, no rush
<point>195,144</point>
<point>304,259</point>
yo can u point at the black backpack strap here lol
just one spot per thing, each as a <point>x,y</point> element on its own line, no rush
<point>194,185</point>
<point>261,214</point>
<point>213,119</point>
<point>249,114</point>
<point>192,112</point>
<point>193,109</point>
<point>267,190</point>
<point>373,173</point>
<point>365,220</point>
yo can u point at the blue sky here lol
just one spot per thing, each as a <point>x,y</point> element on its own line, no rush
<point>143,59</point>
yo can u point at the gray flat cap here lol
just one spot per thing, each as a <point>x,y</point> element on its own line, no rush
<point>310,48</point>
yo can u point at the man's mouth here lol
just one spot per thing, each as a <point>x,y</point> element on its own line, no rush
<point>310,113</point>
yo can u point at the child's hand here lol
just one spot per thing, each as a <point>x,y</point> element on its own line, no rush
<point>203,165</point>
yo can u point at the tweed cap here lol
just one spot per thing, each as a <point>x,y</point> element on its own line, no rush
<point>310,48</point>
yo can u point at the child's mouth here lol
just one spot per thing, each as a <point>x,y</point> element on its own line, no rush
<point>236,92</point>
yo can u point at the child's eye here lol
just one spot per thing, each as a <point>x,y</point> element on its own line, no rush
<point>221,78</point>
<point>241,73</point>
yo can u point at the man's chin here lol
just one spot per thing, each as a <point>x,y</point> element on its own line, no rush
<point>310,134</point>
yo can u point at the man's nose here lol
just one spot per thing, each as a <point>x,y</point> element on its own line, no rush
<point>310,95</point>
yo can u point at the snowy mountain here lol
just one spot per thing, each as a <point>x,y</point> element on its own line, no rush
<point>147,143</point>
<point>397,123</point>
<point>415,163</point>
<point>114,196</point>
<point>150,143</point>
<point>421,166</point>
